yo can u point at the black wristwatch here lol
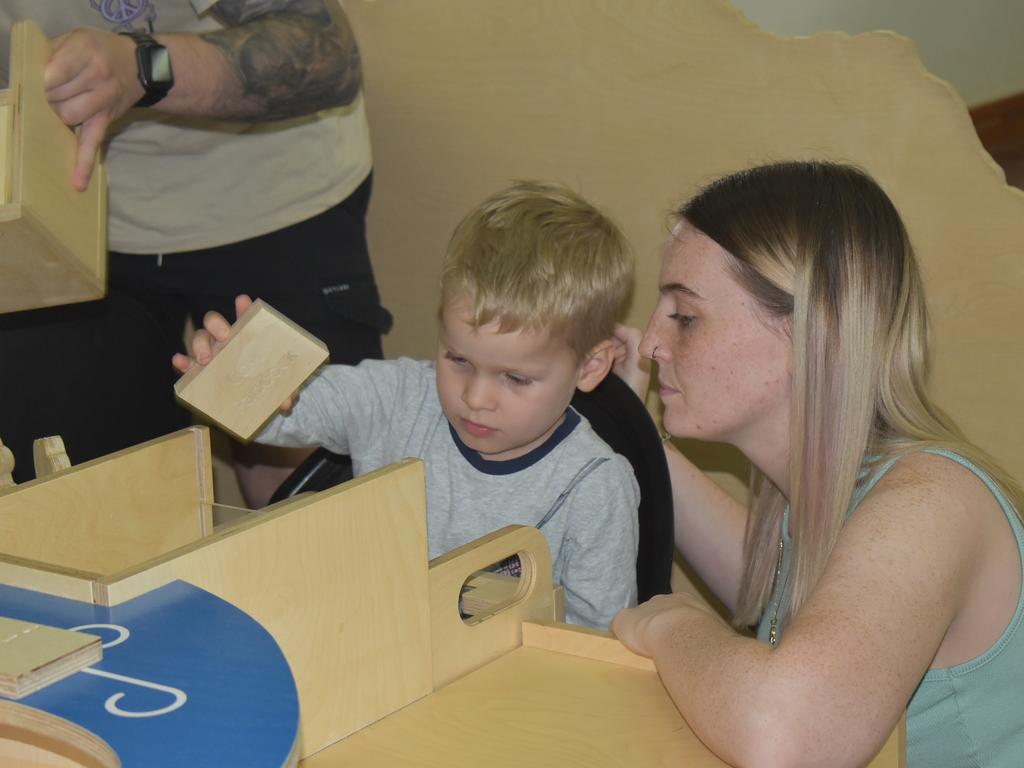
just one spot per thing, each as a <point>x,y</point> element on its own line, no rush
<point>155,71</point>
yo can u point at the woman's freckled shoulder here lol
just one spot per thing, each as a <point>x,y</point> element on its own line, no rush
<point>932,482</point>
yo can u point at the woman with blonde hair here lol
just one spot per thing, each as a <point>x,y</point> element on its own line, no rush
<point>879,558</point>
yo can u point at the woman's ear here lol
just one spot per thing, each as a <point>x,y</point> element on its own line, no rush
<point>596,365</point>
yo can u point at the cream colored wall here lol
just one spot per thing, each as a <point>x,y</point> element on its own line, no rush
<point>975,45</point>
<point>635,104</point>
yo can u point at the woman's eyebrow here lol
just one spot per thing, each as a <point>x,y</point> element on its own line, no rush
<point>679,288</point>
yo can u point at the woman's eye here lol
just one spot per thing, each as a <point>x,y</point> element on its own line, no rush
<point>684,320</point>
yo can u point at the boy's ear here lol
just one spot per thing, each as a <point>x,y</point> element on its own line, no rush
<point>596,365</point>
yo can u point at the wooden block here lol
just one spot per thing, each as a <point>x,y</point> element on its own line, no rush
<point>53,239</point>
<point>265,360</point>
<point>49,455</point>
<point>485,591</point>
<point>34,655</point>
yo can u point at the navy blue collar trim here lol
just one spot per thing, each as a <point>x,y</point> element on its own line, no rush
<point>526,460</point>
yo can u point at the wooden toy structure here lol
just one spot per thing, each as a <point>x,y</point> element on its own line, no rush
<point>635,104</point>
<point>53,247</point>
<point>386,670</point>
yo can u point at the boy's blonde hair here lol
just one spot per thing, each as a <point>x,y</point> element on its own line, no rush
<point>538,257</point>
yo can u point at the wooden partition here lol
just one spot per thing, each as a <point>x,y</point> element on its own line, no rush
<point>386,669</point>
<point>111,513</point>
<point>338,578</point>
<point>636,104</point>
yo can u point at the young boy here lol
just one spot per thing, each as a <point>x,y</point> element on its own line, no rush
<point>530,288</point>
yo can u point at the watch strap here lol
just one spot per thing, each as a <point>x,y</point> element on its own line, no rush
<point>155,87</point>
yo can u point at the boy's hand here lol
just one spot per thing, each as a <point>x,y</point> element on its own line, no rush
<point>208,341</point>
<point>629,365</point>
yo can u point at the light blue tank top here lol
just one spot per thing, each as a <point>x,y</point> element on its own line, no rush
<point>967,716</point>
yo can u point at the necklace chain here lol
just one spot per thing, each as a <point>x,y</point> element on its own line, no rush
<point>773,637</point>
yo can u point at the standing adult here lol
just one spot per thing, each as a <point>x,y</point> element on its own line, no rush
<point>880,556</point>
<point>238,157</point>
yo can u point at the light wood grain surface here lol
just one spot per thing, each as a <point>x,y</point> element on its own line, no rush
<point>107,514</point>
<point>53,247</point>
<point>339,579</point>
<point>266,359</point>
<point>30,738</point>
<point>532,707</point>
<point>460,646</point>
<point>545,706</point>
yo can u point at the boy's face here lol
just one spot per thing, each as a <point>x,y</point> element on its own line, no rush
<point>504,393</point>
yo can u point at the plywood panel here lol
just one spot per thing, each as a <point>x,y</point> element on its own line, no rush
<point>30,738</point>
<point>460,646</point>
<point>637,103</point>
<point>44,577</point>
<point>115,511</point>
<point>563,701</point>
<point>339,579</point>
<point>532,707</point>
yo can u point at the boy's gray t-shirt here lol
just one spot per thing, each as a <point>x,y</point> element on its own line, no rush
<point>382,411</point>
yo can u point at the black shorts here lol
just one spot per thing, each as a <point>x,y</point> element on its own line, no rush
<point>99,373</point>
<point>317,273</point>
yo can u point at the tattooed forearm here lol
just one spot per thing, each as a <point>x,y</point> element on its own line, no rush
<point>292,57</point>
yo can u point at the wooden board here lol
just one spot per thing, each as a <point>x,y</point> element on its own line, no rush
<point>531,707</point>
<point>339,579</point>
<point>107,514</point>
<point>548,703</point>
<point>35,655</point>
<point>266,359</point>
<point>53,247</point>
<point>460,646</point>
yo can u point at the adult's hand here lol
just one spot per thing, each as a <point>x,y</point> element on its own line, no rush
<point>629,365</point>
<point>650,624</point>
<point>91,80</point>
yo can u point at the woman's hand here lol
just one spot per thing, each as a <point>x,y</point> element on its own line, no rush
<point>640,628</point>
<point>629,365</point>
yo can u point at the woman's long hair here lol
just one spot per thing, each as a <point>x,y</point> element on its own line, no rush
<point>822,247</point>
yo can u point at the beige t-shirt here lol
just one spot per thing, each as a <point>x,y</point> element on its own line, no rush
<point>180,184</point>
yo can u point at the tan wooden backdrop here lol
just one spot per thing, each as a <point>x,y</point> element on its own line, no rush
<point>637,102</point>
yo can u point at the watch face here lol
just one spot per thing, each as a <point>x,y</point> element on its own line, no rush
<point>160,65</point>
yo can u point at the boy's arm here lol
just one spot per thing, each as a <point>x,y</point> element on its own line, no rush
<point>207,343</point>
<point>600,547</point>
